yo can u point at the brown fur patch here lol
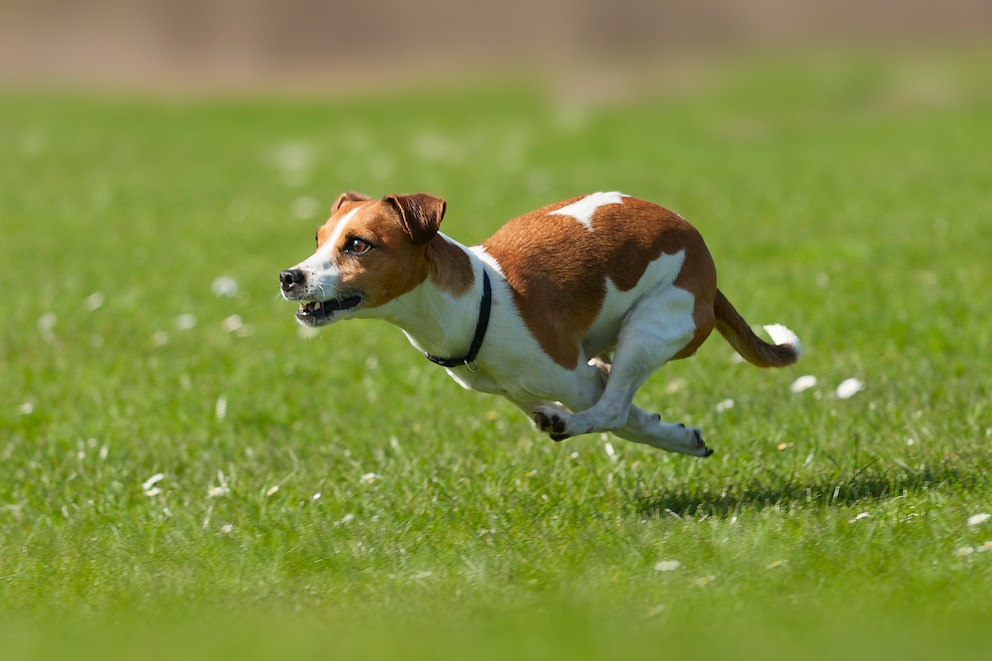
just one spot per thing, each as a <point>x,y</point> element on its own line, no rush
<point>451,268</point>
<point>698,277</point>
<point>557,268</point>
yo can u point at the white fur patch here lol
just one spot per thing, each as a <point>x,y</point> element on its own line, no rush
<point>584,209</point>
<point>782,335</point>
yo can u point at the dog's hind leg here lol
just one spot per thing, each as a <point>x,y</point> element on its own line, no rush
<point>648,429</point>
<point>657,329</point>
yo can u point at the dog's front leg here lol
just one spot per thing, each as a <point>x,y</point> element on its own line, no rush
<point>548,416</point>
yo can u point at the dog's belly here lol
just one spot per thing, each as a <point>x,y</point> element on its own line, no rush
<point>536,379</point>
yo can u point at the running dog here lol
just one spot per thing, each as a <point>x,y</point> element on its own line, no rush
<point>565,311</point>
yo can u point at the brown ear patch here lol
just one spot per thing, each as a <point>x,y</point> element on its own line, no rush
<point>420,214</point>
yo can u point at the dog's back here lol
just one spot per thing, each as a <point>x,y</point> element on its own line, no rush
<point>576,266</point>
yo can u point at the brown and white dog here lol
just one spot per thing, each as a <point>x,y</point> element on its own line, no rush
<point>535,313</point>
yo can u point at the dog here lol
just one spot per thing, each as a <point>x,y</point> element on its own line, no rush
<point>565,311</point>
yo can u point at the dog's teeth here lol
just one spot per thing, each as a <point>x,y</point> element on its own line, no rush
<point>317,305</point>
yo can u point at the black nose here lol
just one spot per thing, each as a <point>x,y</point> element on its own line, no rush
<point>290,278</point>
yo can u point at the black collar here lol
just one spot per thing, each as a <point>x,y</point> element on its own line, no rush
<point>468,360</point>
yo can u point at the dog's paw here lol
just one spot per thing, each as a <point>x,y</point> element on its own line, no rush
<point>700,446</point>
<point>551,422</point>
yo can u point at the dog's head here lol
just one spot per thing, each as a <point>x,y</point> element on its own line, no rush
<point>369,252</point>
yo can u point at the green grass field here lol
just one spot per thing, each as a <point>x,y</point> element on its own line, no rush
<point>339,496</point>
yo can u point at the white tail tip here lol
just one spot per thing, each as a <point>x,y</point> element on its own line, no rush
<point>782,335</point>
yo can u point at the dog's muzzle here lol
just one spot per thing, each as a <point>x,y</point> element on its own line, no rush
<point>315,312</point>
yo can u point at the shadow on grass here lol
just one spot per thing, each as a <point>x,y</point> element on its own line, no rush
<point>869,483</point>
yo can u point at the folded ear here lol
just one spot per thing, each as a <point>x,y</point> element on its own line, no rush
<point>348,197</point>
<point>420,214</point>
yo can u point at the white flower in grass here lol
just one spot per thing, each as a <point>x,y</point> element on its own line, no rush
<point>803,383</point>
<point>963,551</point>
<point>224,287</point>
<point>977,519</point>
<point>218,492</point>
<point>774,564</point>
<point>667,565</point>
<point>27,408</point>
<point>186,321</point>
<point>610,451</point>
<point>724,405</point>
<point>271,491</point>
<point>152,481</point>
<point>654,611</point>
<point>986,546</point>
<point>703,581</point>
<point>94,301</point>
<point>863,515</point>
<point>421,575</point>
<point>232,323</point>
<point>347,518</point>
<point>226,528</point>
<point>220,408</point>
<point>222,489</point>
<point>368,478</point>
<point>848,388</point>
<point>160,339</point>
<point>46,322</point>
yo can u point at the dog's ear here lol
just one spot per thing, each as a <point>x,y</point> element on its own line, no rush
<point>348,197</point>
<point>420,214</point>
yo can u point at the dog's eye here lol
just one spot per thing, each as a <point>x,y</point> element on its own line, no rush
<point>356,246</point>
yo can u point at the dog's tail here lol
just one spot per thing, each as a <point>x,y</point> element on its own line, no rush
<point>756,351</point>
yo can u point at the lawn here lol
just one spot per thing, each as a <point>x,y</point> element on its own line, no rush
<point>185,474</point>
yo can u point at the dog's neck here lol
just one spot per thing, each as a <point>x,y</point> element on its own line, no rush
<point>440,315</point>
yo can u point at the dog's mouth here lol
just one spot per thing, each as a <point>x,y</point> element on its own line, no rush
<point>317,313</point>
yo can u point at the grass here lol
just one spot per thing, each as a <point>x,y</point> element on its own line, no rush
<point>339,495</point>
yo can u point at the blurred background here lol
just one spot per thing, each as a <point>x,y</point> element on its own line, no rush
<point>336,45</point>
<point>162,160</point>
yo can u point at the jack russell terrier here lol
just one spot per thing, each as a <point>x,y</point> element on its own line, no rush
<point>535,312</point>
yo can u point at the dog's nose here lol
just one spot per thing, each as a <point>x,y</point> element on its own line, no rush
<point>290,278</point>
